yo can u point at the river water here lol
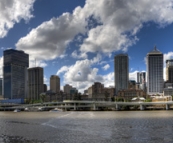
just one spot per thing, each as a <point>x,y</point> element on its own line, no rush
<point>84,127</point>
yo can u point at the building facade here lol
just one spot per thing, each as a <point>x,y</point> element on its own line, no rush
<point>141,80</point>
<point>169,71</point>
<point>15,74</point>
<point>154,72</point>
<point>141,77</point>
<point>1,86</point>
<point>55,83</point>
<point>131,93</point>
<point>35,83</point>
<point>121,71</point>
<point>67,88</point>
<point>45,87</point>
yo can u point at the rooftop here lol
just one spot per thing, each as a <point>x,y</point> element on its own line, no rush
<point>155,51</point>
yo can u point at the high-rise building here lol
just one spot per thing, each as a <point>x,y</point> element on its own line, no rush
<point>121,66</point>
<point>15,74</point>
<point>55,83</point>
<point>141,77</point>
<point>45,87</point>
<point>1,80</point>
<point>67,88</point>
<point>154,72</point>
<point>35,82</point>
<point>169,71</point>
<point>141,80</point>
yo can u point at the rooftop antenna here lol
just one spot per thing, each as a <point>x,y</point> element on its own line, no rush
<point>155,47</point>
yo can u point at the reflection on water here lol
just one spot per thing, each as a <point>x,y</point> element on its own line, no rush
<point>94,127</point>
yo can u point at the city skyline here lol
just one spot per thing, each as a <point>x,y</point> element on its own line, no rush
<point>78,40</point>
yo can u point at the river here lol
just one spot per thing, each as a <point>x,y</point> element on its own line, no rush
<point>84,127</point>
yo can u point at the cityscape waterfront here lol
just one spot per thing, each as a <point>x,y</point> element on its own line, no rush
<point>79,71</point>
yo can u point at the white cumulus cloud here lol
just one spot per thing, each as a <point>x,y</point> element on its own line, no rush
<point>118,23</point>
<point>12,11</point>
<point>107,66</point>
<point>50,39</point>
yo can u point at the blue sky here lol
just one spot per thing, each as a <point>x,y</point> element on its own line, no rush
<point>78,39</point>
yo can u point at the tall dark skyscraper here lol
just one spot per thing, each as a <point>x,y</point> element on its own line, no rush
<point>15,74</point>
<point>35,82</point>
<point>121,65</point>
<point>154,72</point>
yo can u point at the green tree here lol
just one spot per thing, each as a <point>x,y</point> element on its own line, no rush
<point>106,95</point>
<point>148,100</point>
<point>42,96</point>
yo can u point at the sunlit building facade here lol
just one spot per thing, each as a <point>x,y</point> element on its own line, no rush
<point>35,83</point>
<point>55,83</point>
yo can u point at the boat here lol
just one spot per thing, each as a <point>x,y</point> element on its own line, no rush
<point>17,110</point>
<point>56,110</point>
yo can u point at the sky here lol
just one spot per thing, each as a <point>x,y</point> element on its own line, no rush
<point>78,39</point>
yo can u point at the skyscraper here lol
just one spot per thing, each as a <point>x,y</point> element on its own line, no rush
<point>55,83</point>
<point>35,82</point>
<point>169,71</point>
<point>121,66</point>
<point>141,77</point>
<point>67,88</point>
<point>141,80</point>
<point>154,72</point>
<point>1,80</point>
<point>15,74</point>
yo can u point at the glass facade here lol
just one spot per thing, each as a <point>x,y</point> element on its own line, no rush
<point>155,72</point>
<point>15,74</point>
<point>121,71</point>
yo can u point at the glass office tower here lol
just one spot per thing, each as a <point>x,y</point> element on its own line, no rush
<point>15,74</point>
<point>121,71</point>
<point>154,72</point>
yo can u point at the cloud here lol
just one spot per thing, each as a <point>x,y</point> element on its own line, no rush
<point>50,39</point>
<point>82,74</point>
<point>114,27</point>
<point>120,21</point>
<point>107,66</point>
<point>168,56</point>
<point>79,56</point>
<point>12,12</point>
<point>62,70</point>
<point>108,79</point>
<point>37,63</point>
<point>133,75</point>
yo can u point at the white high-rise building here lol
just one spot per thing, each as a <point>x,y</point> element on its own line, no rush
<point>154,72</point>
<point>141,80</point>
<point>121,65</point>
